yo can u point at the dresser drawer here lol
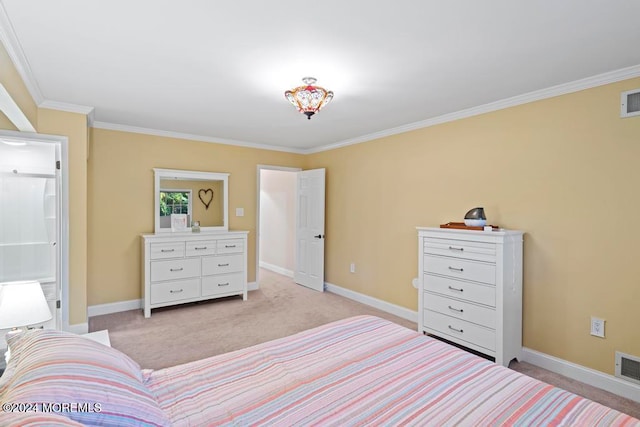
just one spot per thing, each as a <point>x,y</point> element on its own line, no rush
<point>478,251</point>
<point>230,246</point>
<point>166,250</point>
<point>175,269</point>
<point>222,284</point>
<point>468,291</point>
<point>205,247</point>
<point>460,330</point>
<point>461,268</point>
<point>222,264</point>
<point>174,291</point>
<point>461,310</point>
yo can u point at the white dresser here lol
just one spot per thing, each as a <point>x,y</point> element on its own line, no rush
<point>186,267</point>
<point>471,289</point>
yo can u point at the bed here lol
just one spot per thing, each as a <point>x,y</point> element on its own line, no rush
<point>359,371</point>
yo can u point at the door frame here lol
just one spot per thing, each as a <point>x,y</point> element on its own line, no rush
<point>258,187</point>
<point>62,269</point>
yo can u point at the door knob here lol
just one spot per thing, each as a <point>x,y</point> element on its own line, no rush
<point>319,236</point>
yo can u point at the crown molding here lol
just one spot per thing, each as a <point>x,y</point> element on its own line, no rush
<point>64,106</point>
<point>14,49</point>
<point>191,137</point>
<point>562,89</point>
<point>13,112</point>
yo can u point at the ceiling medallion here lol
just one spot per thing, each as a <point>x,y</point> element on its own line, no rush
<point>309,99</point>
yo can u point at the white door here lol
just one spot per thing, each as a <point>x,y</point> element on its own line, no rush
<point>309,270</point>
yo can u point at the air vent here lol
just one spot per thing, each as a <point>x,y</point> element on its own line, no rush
<point>628,367</point>
<point>630,103</point>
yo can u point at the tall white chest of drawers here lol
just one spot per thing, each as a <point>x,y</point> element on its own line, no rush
<point>186,267</point>
<point>470,286</point>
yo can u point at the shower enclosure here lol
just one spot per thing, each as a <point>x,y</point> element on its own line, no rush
<point>30,216</point>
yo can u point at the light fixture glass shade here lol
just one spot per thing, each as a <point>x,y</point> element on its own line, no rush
<point>309,99</point>
<point>22,304</point>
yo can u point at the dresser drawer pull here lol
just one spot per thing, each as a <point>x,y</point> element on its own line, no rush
<point>453,248</point>
<point>201,248</point>
<point>229,246</point>
<point>456,269</point>
<point>223,284</point>
<point>456,289</point>
<point>176,269</point>
<point>457,330</point>
<point>175,292</point>
<point>223,265</point>
<point>459,310</point>
<point>167,250</point>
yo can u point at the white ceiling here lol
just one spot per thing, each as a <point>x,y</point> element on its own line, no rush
<point>217,70</point>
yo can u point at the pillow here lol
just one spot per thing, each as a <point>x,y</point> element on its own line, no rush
<point>79,378</point>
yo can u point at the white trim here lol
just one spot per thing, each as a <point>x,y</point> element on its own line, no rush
<point>252,286</point>
<point>562,89</point>
<point>78,328</point>
<point>388,307</point>
<point>276,269</point>
<point>12,45</point>
<point>64,106</point>
<point>13,112</point>
<point>199,138</point>
<point>580,373</point>
<point>114,307</point>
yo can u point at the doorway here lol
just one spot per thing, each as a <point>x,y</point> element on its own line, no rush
<point>275,238</point>
<point>33,212</point>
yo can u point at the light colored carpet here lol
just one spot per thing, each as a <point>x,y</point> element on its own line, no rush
<point>279,308</point>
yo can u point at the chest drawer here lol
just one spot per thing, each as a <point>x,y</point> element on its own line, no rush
<point>212,285</point>
<point>174,291</point>
<point>460,330</point>
<point>461,269</point>
<point>207,247</point>
<point>166,250</point>
<point>461,310</point>
<point>230,246</point>
<point>175,269</point>
<point>468,291</point>
<point>222,264</point>
<point>478,251</point>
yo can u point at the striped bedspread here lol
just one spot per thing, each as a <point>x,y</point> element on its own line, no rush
<point>364,371</point>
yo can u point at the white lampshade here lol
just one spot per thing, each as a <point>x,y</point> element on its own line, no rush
<point>22,304</point>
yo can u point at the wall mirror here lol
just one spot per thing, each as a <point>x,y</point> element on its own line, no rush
<point>184,197</point>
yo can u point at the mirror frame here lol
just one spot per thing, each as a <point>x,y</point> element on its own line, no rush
<point>160,174</point>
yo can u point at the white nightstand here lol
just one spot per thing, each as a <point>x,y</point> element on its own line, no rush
<point>99,336</point>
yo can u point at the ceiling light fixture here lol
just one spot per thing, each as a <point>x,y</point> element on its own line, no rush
<point>309,99</point>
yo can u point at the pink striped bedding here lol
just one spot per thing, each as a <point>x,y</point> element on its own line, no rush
<point>364,371</point>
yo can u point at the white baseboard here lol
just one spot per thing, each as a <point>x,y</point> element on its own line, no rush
<point>114,307</point>
<point>583,374</point>
<point>252,286</point>
<point>388,307</point>
<point>276,269</point>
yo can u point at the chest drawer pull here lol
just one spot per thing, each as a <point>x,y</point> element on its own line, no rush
<point>176,269</point>
<point>200,248</point>
<point>229,246</point>
<point>175,292</point>
<point>456,269</point>
<point>457,330</point>
<point>455,289</point>
<point>453,248</point>
<point>223,284</point>
<point>167,250</point>
<point>223,265</point>
<point>459,310</point>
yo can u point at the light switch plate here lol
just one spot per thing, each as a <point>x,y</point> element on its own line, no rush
<point>239,211</point>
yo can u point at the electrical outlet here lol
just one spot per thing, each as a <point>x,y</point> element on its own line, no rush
<point>597,327</point>
<point>352,267</point>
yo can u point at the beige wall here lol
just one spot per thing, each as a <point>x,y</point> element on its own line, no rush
<point>564,170</point>
<point>121,173</point>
